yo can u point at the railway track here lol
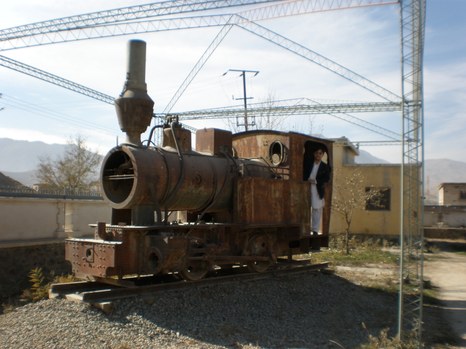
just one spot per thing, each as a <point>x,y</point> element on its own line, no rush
<point>102,293</point>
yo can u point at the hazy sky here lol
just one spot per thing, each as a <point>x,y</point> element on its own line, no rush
<point>365,40</point>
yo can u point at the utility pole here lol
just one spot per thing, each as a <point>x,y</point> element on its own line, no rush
<point>1,108</point>
<point>245,98</point>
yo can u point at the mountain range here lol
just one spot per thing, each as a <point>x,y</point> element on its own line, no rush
<point>19,160</point>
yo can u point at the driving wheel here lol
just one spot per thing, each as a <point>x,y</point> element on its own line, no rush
<point>259,246</point>
<point>194,270</point>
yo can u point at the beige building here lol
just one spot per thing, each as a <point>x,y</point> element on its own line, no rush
<point>380,218</point>
<point>453,194</point>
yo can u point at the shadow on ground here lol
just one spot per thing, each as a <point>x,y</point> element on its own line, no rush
<point>312,310</point>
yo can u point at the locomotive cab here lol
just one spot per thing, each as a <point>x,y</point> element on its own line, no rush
<point>285,199</point>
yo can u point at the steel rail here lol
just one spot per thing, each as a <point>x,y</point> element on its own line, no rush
<point>98,292</point>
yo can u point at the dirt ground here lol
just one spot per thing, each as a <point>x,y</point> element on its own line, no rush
<point>445,268</point>
<point>444,312</point>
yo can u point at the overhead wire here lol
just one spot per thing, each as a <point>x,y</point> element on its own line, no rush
<point>51,114</point>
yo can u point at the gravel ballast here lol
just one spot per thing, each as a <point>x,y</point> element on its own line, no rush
<point>308,310</point>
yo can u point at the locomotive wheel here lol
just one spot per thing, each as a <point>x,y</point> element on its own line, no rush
<point>194,270</point>
<point>259,246</point>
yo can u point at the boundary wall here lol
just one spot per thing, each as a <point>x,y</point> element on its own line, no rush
<point>24,219</point>
<point>445,222</point>
<point>445,216</point>
<point>33,228</point>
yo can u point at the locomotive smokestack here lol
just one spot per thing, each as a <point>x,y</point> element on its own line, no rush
<point>134,107</point>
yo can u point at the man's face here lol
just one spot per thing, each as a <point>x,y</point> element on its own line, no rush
<point>318,155</point>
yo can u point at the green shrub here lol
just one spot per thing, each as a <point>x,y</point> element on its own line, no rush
<point>39,288</point>
<point>40,285</point>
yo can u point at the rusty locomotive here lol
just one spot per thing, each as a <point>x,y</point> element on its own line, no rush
<point>238,199</point>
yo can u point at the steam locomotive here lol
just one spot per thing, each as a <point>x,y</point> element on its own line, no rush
<point>237,199</point>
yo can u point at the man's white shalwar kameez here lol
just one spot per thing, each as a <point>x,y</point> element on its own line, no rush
<point>317,203</point>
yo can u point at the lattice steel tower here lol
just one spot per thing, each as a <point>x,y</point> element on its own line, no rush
<point>412,15</point>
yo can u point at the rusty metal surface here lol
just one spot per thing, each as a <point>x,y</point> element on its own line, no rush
<point>177,137</point>
<point>140,251</point>
<point>135,176</point>
<point>90,258</point>
<point>255,144</point>
<point>257,202</point>
<point>134,108</point>
<point>214,141</point>
<point>118,255</point>
<point>262,201</point>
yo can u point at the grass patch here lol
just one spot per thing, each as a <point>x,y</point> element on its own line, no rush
<point>384,341</point>
<point>368,264</point>
<point>357,257</point>
<point>361,252</point>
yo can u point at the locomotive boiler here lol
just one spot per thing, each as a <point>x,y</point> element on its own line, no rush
<point>237,199</point>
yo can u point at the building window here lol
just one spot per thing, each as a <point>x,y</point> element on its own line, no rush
<point>377,199</point>
<point>462,194</point>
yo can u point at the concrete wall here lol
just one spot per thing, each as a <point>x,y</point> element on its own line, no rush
<point>29,218</point>
<point>445,216</point>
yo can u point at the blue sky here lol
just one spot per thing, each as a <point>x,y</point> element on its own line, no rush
<point>363,40</point>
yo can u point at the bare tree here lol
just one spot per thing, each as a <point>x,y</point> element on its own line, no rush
<point>263,120</point>
<point>350,194</point>
<point>267,119</point>
<point>74,171</point>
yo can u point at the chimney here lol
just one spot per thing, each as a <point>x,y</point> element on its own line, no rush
<point>134,107</point>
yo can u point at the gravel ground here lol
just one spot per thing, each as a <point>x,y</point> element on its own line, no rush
<point>310,310</point>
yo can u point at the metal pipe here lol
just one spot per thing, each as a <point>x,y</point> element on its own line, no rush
<point>136,68</point>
